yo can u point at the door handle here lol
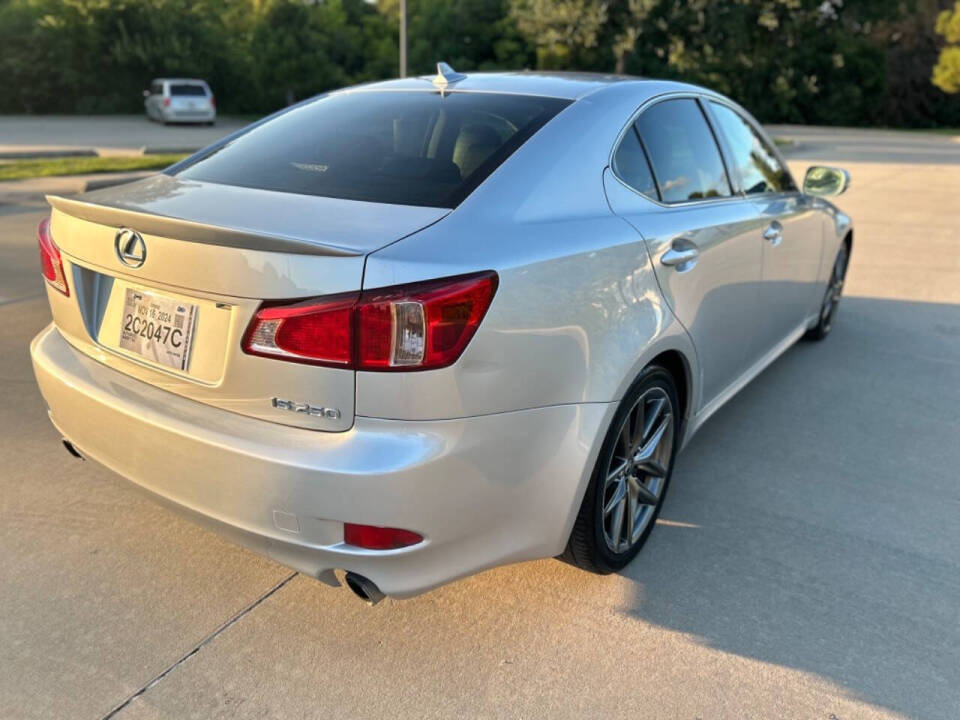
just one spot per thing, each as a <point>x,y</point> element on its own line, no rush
<point>682,255</point>
<point>774,233</point>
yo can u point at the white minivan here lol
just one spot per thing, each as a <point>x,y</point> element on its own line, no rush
<point>172,100</point>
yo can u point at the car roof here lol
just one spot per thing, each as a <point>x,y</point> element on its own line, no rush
<point>181,80</point>
<point>567,85</point>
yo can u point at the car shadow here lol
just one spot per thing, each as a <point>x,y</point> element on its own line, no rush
<point>813,521</point>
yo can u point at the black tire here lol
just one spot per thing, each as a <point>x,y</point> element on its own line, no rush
<point>588,547</point>
<point>831,299</point>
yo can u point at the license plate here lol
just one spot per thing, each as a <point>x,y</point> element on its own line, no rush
<point>158,328</point>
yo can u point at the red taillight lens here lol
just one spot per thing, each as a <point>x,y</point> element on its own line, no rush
<point>213,102</point>
<point>421,326</point>
<point>378,538</point>
<point>409,327</point>
<point>166,102</point>
<point>319,332</point>
<point>50,262</point>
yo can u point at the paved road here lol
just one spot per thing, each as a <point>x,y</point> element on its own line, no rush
<point>885,146</point>
<point>807,564</point>
<point>19,133</point>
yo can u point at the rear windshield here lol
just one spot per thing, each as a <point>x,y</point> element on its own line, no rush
<point>406,148</point>
<point>195,90</point>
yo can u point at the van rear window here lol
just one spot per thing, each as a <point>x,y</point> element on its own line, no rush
<point>192,90</point>
<point>406,148</point>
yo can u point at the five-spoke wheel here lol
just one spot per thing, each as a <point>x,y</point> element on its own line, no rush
<point>637,469</point>
<point>631,476</point>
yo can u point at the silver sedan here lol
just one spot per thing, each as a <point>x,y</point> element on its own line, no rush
<point>419,328</point>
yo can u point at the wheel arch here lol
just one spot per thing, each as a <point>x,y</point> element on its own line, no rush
<point>675,363</point>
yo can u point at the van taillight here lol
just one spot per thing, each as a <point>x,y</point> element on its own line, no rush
<point>50,262</point>
<point>420,326</point>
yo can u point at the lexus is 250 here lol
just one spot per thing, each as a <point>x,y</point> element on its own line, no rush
<point>419,328</point>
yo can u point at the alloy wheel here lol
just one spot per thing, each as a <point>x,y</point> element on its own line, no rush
<point>834,289</point>
<point>636,474</point>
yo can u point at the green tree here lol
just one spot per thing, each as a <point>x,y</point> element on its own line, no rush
<point>946,73</point>
<point>565,33</point>
<point>467,34</point>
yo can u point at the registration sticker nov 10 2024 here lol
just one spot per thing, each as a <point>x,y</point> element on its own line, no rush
<point>158,327</point>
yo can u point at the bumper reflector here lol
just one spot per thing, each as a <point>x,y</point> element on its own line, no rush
<point>378,538</point>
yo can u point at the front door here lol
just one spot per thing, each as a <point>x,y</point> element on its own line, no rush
<point>789,289</point>
<point>791,234</point>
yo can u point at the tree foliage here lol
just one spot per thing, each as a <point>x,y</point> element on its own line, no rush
<point>824,61</point>
<point>946,73</point>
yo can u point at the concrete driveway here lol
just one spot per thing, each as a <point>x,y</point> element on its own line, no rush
<point>807,564</point>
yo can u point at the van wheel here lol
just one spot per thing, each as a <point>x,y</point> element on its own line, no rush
<point>631,477</point>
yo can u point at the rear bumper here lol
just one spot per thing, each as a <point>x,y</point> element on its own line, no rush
<point>188,116</point>
<point>483,491</point>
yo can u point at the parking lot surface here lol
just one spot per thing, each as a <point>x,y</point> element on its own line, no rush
<point>21,134</point>
<point>807,563</point>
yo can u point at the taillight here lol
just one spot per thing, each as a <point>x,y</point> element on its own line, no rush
<point>166,102</point>
<point>426,325</point>
<point>316,331</point>
<point>372,537</point>
<point>213,102</point>
<point>50,261</point>
<point>420,326</point>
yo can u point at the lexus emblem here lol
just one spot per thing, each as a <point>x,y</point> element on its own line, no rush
<point>131,250</point>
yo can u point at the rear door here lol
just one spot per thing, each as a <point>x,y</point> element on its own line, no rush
<point>702,237</point>
<point>792,231</point>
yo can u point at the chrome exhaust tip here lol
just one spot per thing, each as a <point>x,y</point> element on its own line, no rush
<point>72,450</point>
<point>363,588</point>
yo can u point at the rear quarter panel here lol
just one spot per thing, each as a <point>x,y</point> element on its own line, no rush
<point>578,311</point>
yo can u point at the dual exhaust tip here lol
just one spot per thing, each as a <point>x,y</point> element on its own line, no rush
<point>362,587</point>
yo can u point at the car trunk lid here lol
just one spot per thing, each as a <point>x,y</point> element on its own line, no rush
<point>211,254</point>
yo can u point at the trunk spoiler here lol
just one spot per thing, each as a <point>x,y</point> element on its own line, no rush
<point>105,213</point>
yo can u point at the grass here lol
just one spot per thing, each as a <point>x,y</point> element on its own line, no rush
<point>46,167</point>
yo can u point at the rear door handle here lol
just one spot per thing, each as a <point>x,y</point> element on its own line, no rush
<point>774,233</point>
<point>682,255</point>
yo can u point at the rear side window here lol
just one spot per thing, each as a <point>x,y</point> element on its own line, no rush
<point>631,165</point>
<point>683,152</point>
<point>406,148</point>
<point>188,90</point>
<point>760,170</point>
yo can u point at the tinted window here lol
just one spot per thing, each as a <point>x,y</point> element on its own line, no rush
<point>760,170</point>
<point>192,90</point>
<point>407,148</point>
<point>156,88</point>
<point>685,158</point>
<point>630,164</point>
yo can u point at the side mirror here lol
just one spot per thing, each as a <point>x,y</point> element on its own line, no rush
<point>826,181</point>
<point>146,93</point>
